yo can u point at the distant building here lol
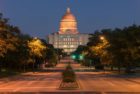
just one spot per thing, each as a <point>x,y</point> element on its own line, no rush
<point>68,37</point>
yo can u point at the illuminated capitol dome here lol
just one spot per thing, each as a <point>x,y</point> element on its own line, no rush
<point>68,23</point>
<point>68,38</point>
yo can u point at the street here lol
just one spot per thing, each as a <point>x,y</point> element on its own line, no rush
<point>98,81</point>
<point>90,82</point>
<point>107,81</point>
<point>31,82</point>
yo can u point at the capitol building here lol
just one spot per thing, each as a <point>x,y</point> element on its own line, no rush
<point>68,37</point>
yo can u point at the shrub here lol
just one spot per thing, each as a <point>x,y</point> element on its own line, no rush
<point>69,67</point>
<point>99,67</point>
<point>68,75</point>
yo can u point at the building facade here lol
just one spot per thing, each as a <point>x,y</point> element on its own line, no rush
<point>68,37</point>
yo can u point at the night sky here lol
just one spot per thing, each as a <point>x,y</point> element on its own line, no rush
<point>41,17</point>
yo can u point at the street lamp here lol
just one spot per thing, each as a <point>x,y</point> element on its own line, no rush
<point>102,37</point>
<point>105,43</point>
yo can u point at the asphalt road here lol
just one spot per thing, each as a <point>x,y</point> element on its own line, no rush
<point>31,82</point>
<point>90,82</point>
<point>44,81</point>
<point>106,82</point>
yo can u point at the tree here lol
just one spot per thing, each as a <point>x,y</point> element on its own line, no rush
<point>124,46</point>
<point>9,41</point>
<point>119,47</point>
<point>37,50</point>
<point>52,56</point>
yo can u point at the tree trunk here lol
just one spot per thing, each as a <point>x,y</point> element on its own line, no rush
<point>24,68</point>
<point>119,69</point>
<point>112,68</point>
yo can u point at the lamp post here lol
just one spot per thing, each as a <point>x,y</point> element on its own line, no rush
<point>102,38</point>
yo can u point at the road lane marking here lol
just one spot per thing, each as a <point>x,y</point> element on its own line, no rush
<point>111,83</point>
